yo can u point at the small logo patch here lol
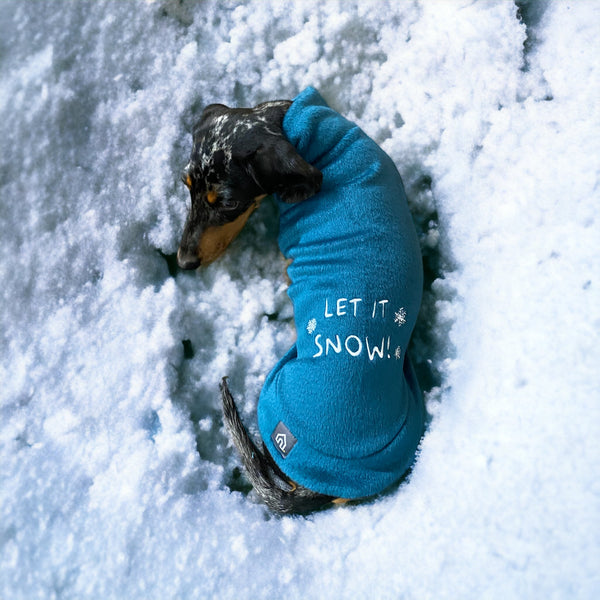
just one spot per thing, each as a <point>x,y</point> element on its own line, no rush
<point>283,439</point>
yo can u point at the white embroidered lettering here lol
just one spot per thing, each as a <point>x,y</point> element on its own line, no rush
<point>358,348</point>
<point>375,350</point>
<point>337,347</point>
<point>327,313</point>
<point>383,303</point>
<point>318,345</point>
<point>354,302</point>
<point>355,344</point>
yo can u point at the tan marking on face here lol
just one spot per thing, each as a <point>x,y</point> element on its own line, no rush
<point>188,181</point>
<point>211,196</point>
<point>215,240</point>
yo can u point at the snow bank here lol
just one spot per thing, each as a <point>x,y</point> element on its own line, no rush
<point>117,478</point>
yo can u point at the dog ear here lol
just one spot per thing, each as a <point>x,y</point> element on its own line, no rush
<point>211,111</point>
<point>278,168</point>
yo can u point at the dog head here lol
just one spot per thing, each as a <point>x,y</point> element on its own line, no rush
<point>239,156</point>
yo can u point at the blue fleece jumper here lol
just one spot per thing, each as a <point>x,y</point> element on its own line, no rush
<point>341,413</point>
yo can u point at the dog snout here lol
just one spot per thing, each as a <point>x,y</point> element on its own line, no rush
<point>186,261</point>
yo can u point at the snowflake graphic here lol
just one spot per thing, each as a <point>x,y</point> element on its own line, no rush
<point>400,317</point>
<point>398,353</point>
<point>312,325</point>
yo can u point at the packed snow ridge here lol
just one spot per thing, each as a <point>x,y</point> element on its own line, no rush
<point>117,479</point>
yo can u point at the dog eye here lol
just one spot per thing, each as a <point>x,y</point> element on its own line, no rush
<point>229,203</point>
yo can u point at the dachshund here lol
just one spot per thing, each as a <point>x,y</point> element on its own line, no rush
<point>341,415</point>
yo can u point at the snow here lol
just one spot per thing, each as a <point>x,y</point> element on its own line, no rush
<point>117,479</point>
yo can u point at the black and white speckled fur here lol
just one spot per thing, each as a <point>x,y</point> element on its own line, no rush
<point>239,155</point>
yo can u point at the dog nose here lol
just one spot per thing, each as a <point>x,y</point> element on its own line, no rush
<point>187,262</point>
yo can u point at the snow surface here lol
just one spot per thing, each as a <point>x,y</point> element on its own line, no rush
<point>116,477</point>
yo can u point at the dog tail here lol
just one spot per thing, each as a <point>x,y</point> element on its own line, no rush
<point>271,484</point>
